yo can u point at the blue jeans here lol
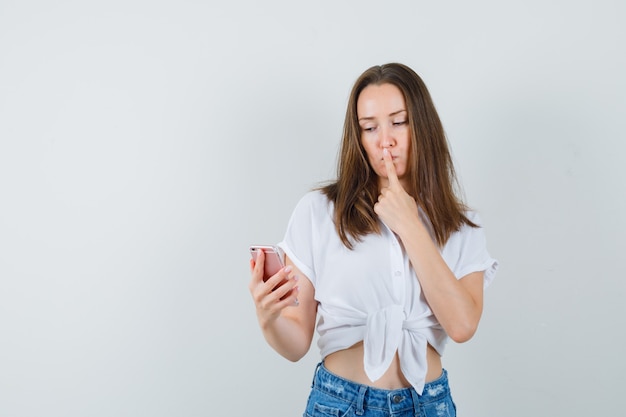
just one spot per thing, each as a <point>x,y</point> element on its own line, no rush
<point>334,396</point>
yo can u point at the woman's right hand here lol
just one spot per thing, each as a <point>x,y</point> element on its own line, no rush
<point>271,297</point>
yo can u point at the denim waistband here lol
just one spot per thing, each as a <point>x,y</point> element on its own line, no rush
<point>367,397</point>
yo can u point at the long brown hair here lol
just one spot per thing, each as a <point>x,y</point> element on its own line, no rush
<point>432,179</point>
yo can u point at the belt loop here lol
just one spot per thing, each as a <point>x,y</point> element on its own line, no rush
<point>360,410</point>
<point>317,368</point>
<point>416,402</point>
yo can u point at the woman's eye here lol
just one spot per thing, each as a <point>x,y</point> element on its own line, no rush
<point>399,123</point>
<point>368,128</point>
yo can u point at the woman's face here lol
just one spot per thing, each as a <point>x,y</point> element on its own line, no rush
<point>383,118</point>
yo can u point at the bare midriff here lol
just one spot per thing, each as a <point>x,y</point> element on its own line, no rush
<point>348,364</point>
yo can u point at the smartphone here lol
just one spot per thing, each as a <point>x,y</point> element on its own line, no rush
<point>274,259</point>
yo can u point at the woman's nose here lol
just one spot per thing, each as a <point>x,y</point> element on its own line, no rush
<point>386,139</point>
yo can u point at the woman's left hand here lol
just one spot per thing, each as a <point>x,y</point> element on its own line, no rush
<point>395,207</point>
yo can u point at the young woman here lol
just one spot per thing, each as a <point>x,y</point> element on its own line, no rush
<point>388,258</point>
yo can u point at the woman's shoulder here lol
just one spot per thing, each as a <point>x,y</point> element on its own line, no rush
<point>315,199</point>
<point>472,226</point>
<point>313,204</point>
<point>467,235</point>
<point>474,217</point>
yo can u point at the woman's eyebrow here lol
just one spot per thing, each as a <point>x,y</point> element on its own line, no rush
<point>390,114</point>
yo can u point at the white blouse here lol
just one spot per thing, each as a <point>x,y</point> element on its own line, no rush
<point>371,293</point>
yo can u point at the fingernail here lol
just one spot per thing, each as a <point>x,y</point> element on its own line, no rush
<point>296,302</point>
<point>288,269</point>
<point>385,151</point>
<point>295,278</point>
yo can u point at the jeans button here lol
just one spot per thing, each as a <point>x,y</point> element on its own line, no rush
<point>397,399</point>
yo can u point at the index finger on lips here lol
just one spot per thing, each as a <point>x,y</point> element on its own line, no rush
<point>392,176</point>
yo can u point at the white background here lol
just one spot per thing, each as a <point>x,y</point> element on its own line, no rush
<point>145,144</point>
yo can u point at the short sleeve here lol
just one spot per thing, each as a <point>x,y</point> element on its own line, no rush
<point>300,235</point>
<point>466,252</point>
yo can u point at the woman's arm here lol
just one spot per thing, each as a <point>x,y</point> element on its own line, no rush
<point>286,313</point>
<point>457,303</point>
